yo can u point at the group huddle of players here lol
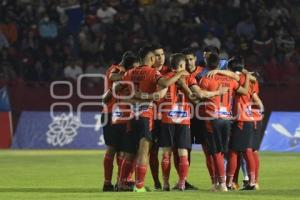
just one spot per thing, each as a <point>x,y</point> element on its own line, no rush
<point>150,106</point>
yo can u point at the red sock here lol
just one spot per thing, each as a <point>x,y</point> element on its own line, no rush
<point>238,166</point>
<point>248,155</point>
<point>183,170</point>
<point>154,164</point>
<point>220,168</point>
<point>210,165</point>
<point>119,163</point>
<point>126,167</point>
<point>231,167</point>
<point>166,167</point>
<point>108,168</point>
<point>176,160</point>
<point>140,173</point>
<point>129,178</point>
<point>256,159</point>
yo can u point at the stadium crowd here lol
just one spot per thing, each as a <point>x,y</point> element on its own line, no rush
<point>39,40</point>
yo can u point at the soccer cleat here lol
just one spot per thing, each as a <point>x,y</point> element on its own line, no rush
<point>177,188</point>
<point>249,187</point>
<point>235,186</point>
<point>143,189</point>
<point>108,188</point>
<point>256,186</point>
<point>157,186</point>
<point>245,183</point>
<point>213,188</point>
<point>222,188</point>
<point>189,186</point>
<point>125,188</point>
<point>166,188</point>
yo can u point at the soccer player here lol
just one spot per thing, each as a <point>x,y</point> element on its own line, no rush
<point>144,78</point>
<point>154,162</point>
<point>241,139</point>
<point>257,111</point>
<point>112,132</point>
<point>195,125</point>
<point>175,130</point>
<point>218,113</point>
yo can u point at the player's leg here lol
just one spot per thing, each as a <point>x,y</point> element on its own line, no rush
<point>166,167</point>
<point>166,141</point>
<point>257,139</point>
<point>182,140</point>
<point>210,166</point>
<point>153,161</point>
<point>218,152</point>
<point>108,132</point>
<point>129,147</point>
<point>195,139</point>
<point>248,131</point>
<point>141,127</point>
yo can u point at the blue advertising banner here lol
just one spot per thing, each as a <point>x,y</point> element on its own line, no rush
<point>282,133</point>
<point>38,130</point>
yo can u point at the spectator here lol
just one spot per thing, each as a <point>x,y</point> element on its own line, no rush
<point>3,41</point>
<point>246,28</point>
<point>106,13</point>
<point>263,44</point>
<point>9,30</point>
<point>211,40</point>
<point>48,28</point>
<point>73,70</point>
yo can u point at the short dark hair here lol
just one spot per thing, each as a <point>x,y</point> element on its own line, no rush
<point>235,61</point>
<point>144,51</point>
<point>156,46</point>
<point>212,49</point>
<point>188,51</point>
<point>175,59</point>
<point>128,59</point>
<point>213,61</point>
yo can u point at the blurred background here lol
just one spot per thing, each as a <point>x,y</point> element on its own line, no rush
<point>42,41</point>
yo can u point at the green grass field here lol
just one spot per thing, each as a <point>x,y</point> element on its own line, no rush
<point>72,175</point>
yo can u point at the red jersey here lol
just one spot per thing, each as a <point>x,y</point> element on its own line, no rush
<point>219,106</point>
<point>109,83</point>
<point>242,104</point>
<point>175,106</point>
<point>197,71</point>
<point>144,79</point>
<point>257,115</point>
<point>164,70</point>
<point>121,111</point>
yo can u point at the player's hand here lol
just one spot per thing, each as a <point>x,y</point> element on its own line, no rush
<point>247,72</point>
<point>211,74</point>
<point>223,90</point>
<point>184,73</point>
<point>181,81</point>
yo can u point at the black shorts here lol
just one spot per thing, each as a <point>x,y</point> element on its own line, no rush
<point>258,135</point>
<point>242,136</point>
<point>216,135</point>
<point>113,133</point>
<point>175,136</point>
<point>107,128</point>
<point>156,132</point>
<point>129,143</point>
<point>141,129</point>
<point>197,130</point>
